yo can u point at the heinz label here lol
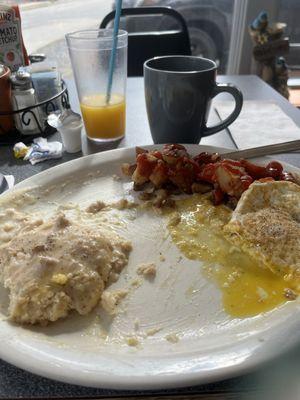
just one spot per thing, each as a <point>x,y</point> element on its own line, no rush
<point>12,51</point>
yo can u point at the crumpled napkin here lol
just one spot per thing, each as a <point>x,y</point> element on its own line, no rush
<point>260,123</point>
<point>40,150</point>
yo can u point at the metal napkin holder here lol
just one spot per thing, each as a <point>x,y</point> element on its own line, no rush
<point>13,136</point>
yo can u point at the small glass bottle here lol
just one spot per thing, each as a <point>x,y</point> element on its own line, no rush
<point>6,121</point>
<point>23,96</point>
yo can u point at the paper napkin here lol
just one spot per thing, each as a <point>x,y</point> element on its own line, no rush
<point>260,123</point>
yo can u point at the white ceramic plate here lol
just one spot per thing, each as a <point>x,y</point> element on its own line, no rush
<point>211,346</point>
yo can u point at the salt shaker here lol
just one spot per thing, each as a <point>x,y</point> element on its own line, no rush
<point>23,96</point>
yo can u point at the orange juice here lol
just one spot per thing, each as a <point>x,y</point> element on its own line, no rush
<point>103,121</point>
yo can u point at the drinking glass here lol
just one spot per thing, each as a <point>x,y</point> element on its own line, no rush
<point>90,52</point>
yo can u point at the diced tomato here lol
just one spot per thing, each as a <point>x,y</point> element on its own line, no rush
<point>246,181</point>
<point>233,163</point>
<point>206,158</point>
<point>255,171</point>
<point>274,169</point>
<point>234,167</point>
<point>157,154</point>
<point>159,175</point>
<point>226,179</point>
<point>230,182</point>
<point>208,173</point>
<point>172,152</point>
<point>145,166</point>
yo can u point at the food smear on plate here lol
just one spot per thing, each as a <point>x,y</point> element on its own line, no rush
<point>56,265</point>
<point>197,229</point>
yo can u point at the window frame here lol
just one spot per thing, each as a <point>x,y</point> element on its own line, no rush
<point>240,49</point>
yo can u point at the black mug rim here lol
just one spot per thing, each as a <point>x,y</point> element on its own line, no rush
<point>167,71</point>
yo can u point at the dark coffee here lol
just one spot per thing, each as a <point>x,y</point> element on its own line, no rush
<point>178,91</point>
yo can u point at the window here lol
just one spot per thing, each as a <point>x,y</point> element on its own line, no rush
<point>289,11</point>
<point>45,23</point>
<point>208,21</point>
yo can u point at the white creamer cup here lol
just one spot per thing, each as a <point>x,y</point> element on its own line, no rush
<point>69,125</point>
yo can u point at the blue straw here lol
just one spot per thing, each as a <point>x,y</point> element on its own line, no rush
<point>114,50</point>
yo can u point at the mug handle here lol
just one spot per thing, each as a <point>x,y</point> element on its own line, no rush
<point>238,97</point>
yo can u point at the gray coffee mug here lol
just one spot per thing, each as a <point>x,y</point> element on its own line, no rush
<point>178,91</point>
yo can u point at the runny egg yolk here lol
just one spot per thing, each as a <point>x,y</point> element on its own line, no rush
<point>196,227</point>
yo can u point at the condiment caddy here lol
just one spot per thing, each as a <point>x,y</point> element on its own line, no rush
<point>25,108</point>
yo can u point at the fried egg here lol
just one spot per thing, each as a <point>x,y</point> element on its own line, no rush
<point>197,228</point>
<point>266,225</point>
